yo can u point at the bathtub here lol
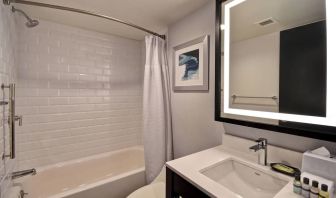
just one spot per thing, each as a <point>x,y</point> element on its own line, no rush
<point>109,175</point>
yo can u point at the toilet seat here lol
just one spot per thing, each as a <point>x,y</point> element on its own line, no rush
<point>156,190</point>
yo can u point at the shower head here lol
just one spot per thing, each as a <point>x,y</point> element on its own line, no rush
<point>30,22</point>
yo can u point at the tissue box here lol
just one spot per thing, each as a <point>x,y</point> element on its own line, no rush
<point>319,165</point>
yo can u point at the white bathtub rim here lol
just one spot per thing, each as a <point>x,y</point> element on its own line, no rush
<point>84,159</point>
<point>84,187</point>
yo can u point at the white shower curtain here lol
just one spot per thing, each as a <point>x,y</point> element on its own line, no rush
<point>157,128</point>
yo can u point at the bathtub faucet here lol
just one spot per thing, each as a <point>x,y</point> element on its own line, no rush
<point>19,174</point>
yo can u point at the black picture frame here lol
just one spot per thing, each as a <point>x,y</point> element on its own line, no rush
<point>321,132</point>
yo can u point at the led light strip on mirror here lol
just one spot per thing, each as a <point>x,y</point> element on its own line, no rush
<point>330,119</point>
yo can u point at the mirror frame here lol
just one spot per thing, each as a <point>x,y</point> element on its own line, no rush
<point>319,132</point>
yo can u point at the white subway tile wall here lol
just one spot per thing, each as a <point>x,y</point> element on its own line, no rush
<point>80,93</point>
<point>8,41</point>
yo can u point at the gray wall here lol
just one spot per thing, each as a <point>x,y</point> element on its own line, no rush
<point>193,112</point>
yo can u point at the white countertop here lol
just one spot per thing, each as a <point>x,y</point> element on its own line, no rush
<point>189,168</point>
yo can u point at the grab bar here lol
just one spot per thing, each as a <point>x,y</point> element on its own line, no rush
<point>12,118</point>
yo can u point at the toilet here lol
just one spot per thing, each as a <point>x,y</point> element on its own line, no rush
<point>154,190</point>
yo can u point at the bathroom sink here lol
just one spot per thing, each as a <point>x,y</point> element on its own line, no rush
<point>244,180</point>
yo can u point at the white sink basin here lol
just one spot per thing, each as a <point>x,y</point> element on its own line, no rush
<point>244,180</point>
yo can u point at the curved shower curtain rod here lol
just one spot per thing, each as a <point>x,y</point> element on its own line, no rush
<point>8,2</point>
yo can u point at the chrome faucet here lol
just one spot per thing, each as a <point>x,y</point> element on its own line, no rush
<point>23,173</point>
<point>261,146</point>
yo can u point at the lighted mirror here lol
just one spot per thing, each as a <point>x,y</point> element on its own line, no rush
<point>276,66</point>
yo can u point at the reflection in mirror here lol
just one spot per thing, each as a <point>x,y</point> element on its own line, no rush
<point>277,60</point>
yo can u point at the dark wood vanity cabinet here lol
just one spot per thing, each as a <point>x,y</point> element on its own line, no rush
<point>177,187</point>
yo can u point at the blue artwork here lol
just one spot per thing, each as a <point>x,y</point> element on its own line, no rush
<point>191,62</point>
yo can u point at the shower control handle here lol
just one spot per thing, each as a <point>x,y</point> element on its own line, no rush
<point>18,118</point>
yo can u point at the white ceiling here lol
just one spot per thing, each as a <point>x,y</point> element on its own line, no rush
<point>287,13</point>
<point>154,15</point>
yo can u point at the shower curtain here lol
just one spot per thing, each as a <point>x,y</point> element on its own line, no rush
<point>157,128</point>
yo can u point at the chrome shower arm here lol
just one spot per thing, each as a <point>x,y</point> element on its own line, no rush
<point>22,12</point>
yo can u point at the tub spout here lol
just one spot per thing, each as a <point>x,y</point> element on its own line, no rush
<point>19,174</point>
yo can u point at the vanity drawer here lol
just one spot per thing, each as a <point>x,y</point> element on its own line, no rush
<point>177,187</point>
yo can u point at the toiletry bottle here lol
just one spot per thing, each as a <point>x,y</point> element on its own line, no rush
<point>305,188</point>
<point>314,190</point>
<point>324,191</point>
<point>297,185</point>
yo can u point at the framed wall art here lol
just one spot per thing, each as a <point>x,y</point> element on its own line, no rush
<point>191,65</point>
